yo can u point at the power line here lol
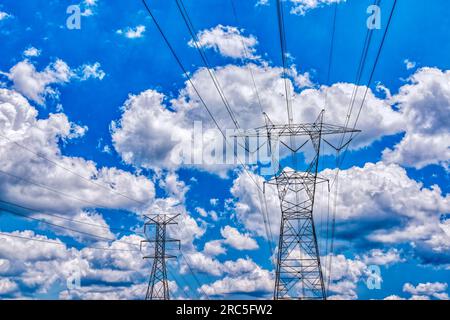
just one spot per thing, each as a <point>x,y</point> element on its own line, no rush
<point>358,77</point>
<point>67,228</point>
<point>194,276</point>
<point>70,171</point>
<point>267,226</point>
<point>177,281</point>
<point>68,219</point>
<point>330,62</point>
<point>359,113</point>
<point>40,185</point>
<point>330,55</point>
<point>187,75</point>
<point>198,45</point>
<point>283,45</point>
<point>247,56</point>
<point>376,62</point>
<point>192,31</point>
<point>186,284</point>
<point>282,35</point>
<point>380,49</point>
<point>43,186</point>
<point>359,73</point>
<point>63,244</point>
<point>216,82</point>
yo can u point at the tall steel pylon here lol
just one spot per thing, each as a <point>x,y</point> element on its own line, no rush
<point>298,272</point>
<point>158,287</point>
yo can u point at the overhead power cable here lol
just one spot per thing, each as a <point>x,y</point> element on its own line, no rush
<point>60,216</point>
<point>247,56</point>
<point>191,270</point>
<point>61,243</point>
<point>359,74</point>
<point>378,55</point>
<point>331,52</point>
<point>70,170</point>
<point>67,228</point>
<point>199,46</point>
<point>177,281</point>
<point>43,186</point>
<point>282,35</point>
<point>189,79</point>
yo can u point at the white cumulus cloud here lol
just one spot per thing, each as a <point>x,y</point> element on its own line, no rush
<point>228,41</point>
<point>132,33</point>
<point>238,240</point>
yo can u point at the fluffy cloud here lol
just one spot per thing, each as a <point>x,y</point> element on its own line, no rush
<point>262,3</point>
<point>380,205</point>
<point>409,64</point>
<point>425,105</point>
<point>4,15</point>
<point>37,85</point>
<point>156,133</point>
<point>228,41</point>
<point>88,222</point>
<point>214,248</point>
<point>71,184</point>
<point>32,52</point>
<point>377,204</point>
<point>301,7</point>
<point>378,117</point>
<point>238,240</point>
<point>345,275</point>
<point>239,266</point>
<point>173,186</point>
<point>249,204</point>
<point>381,258</point>
<point>420,112</point>
<point>423,291</point>
<point>148,133</point>
<point>132,33</point>
<point>205,214</point>
<point>255,282</point>
<point>201,263</point>
<point>88,71</point>
<point>426,290</point>
<point>33,267</point>
<point>7,286</point>
<point>34,84</point>
<point>88,7</point>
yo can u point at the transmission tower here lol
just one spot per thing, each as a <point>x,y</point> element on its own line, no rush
<point>298,271</point>
<point>158,288</point>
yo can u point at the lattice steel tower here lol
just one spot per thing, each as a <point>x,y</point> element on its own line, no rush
<point>158,287</point>
<point>298,271</point>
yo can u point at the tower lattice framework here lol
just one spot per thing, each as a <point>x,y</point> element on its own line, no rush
<point>298,273</point>
<point>158,287</point>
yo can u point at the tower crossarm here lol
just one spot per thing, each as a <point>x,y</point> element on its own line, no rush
<point>286,130</point>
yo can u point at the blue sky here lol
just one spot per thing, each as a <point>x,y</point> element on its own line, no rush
<point>106,107</point>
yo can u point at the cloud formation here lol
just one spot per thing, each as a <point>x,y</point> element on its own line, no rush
<point>228,41</point>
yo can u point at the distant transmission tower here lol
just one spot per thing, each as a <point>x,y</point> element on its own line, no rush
<point>298,272</point>
<point>158,287</point>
